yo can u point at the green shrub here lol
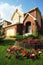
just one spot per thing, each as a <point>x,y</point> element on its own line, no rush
<point>18,37</point>
<point>31,36</point>
<point>1,32</point>
<point>1,39</point>
<point>25,37</point>
<point>12,36</point>
<point>36,33</point>
<point>41,37</point>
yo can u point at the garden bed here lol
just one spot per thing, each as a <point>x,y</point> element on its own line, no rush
<point>12,60</point>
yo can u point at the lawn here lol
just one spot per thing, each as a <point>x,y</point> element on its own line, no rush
<point>13,61</point>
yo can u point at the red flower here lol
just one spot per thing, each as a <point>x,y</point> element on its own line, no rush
<point>16,49</point>
<point>23,52</point>
<point>30,55</point>
<point>38,49</point>
<point>10,47</point>
<point>35,52</point>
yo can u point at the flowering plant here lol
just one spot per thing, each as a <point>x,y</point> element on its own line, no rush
<point>20,53</point>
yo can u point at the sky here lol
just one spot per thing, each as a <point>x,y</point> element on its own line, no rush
<point>7,7</point>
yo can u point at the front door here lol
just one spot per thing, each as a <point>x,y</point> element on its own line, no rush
<point>28,27</point>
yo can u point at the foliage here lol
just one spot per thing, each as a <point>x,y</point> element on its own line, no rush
<point>21,53</point>
<point>31,36</point>
<point>41,37</point>
<point>13,60</point>
<point>6,42</point>
<point>1,32</point>
<point>36,33</point>
<point>20,37</point>
<point>1,39</point>
<point>12,36</point>
<point>1,35</point>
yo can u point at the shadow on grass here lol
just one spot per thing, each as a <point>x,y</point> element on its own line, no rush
<point>5,42</point>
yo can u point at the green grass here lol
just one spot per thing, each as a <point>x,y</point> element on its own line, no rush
<point>13,61</point>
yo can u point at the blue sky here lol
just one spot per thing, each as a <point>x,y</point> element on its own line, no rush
<point>9,6</point>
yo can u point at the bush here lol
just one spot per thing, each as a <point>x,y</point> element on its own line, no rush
<point>36,33</point>
<point>18,37</point>
<point>12,36</point>
<point>31,36</point>
<point>1,39</point>
<point>41,37</point>
<point>1,35</point>
<point>1,32</point>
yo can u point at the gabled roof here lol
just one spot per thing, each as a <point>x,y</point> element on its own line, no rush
<point>29,15</point>
<point>11,25</point>
<point>7,21</point>
<point>14,14</point>
<point>36,8</point>
<point>18,12</point>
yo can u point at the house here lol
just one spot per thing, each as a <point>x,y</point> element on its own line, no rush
<point>24,23</point>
